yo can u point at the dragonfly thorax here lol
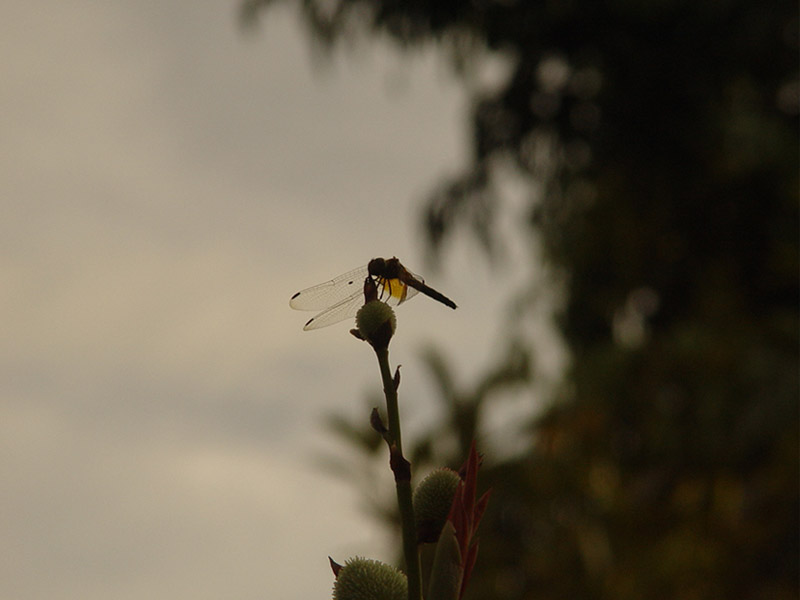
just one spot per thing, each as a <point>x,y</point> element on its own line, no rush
<point>388,269</point>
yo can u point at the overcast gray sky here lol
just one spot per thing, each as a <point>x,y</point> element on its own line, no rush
<point>167,182</point>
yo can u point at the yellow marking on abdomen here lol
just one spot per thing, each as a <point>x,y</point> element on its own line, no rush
<point>396,289</point>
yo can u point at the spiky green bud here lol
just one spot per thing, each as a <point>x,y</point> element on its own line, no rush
<point>432,500</point>
<point>367,579</point>
<point>376,322</point>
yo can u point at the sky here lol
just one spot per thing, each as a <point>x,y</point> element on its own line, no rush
<point>168,181</point>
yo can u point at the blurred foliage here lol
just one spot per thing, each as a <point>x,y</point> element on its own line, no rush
<point>661,142</point>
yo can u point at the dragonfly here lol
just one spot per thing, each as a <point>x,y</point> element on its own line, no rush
<point>342,296</point>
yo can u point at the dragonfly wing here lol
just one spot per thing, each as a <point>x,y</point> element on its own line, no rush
<point>338,312</point>
<point>331,292</point>
<point>411,291</point>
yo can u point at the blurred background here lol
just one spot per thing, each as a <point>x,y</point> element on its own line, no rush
<point>608,191</point>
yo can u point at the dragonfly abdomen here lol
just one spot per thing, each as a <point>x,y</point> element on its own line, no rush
<point>431,293</point>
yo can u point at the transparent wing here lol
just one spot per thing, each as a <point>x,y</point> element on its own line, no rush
<point>341,297</point>
<point>340,311</point>
<point>348,307</point>
<point>330,293</point>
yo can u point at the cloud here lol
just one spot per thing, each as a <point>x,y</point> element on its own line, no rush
<point>158,516</point>
<point>166,186</point>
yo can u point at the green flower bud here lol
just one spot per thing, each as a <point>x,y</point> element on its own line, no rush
<point>376,322</point>
<point>366,579</point>
<point>432,500</point>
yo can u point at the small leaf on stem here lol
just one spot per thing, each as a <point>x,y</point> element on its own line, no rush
<point>397,377</point>
<point>377,423</point>
<point>335,567</point>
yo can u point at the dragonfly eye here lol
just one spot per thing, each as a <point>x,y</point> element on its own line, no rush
<point>376,266</point>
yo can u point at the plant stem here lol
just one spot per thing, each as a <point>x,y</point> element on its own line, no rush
<point>402,479</point>
<point>390,391</point>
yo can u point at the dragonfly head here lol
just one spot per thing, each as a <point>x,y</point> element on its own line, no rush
<point>376,267</point>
